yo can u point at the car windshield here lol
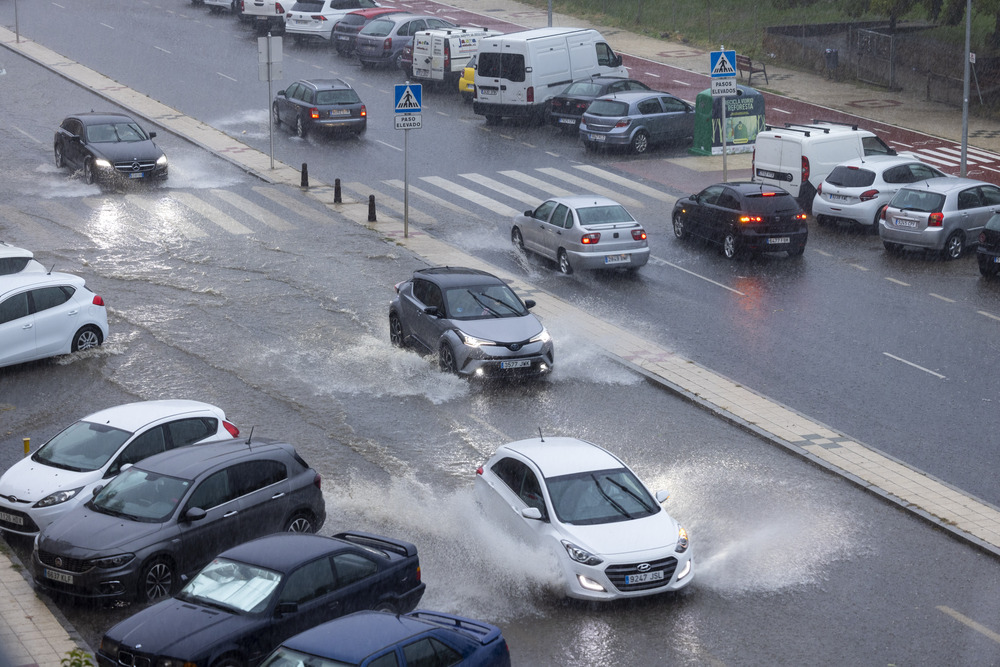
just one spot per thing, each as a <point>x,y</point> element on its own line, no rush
<point>104,133</point>
<point>482,302</point>
<point>286,657</point>
<point>345,96</point>
<point>851,177</point>
<point>583,89</point>
<point>233,585</point>
<point>603,496</point>
<point>595,215</point>
<point>608,108</point>
<point>923,201</point>
<point>378,28</point>
<point>141,495</point>
<point>82,447</point>
<point>994,223</point>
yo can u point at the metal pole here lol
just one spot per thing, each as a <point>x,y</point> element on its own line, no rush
<point>725,176</point>
<point>965,85</point>
<point>406,186</point>
<point>17,31</point>
<point>270,97</point>
<point>550,13</point>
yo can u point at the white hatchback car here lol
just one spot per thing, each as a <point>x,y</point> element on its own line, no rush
<point>16,260</point>
<point>314,19</point>
<point>63,472</point>
<point>608,532</point>
<point>45,314</point>
<point>857,190</point>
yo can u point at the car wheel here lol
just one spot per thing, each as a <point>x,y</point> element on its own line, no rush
<point>954,245</point>
<point>986,268</point>
<point>86,338</point>
<point>640,142</point>
<point>300,127</point>
<point>517,239</point>
<point>730,245</point>
<point>492,119</point>
<point>385,605</point>
<point>679,230</point>
<point>564,266</point>
<point>301,522</point>
<point>878,217</point>
<point>275,116</point>
<point>60,158</point>
<point>396,336</point>
<point>89,175</point>
<point>589,146</point>
<point>446,359</point>
<point>398,61</point>
<point>156,581</point>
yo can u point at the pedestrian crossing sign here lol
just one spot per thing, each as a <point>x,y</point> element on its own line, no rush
<point>408,97</point>
<point>722,64</point>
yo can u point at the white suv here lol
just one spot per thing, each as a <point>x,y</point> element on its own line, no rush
<point>314,19</point>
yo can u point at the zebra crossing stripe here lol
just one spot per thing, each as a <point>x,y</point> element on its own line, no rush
<point>471,195</point>
<point>210,212</point>
<point>293,204</point>
<point>537,183</point>
<point>591,188</point>
<point>624,182</point>
<point>444,203</point>
<point>155,210</point>
<point>253,210</point>
<point>503,188</point>
<point>363,190</point>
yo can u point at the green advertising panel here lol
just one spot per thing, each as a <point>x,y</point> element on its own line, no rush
<point>744,119</point>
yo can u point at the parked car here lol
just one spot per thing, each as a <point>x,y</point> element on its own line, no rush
<point>345,31</point>
<point>467,83</point>
<point>16,260</point>
<point>314,19</point>
<point>988,250</point>
<point>63,472</point>
<point>637,120</point>
<point>582,232</point>
<point>944,215</point>
<point>381,42</point>
<point>474,322</point>
<point>218,6</point>
<point>320,104</point>
<point>252,597</point>
<point>856,191</point>
<point>568,106</point>
<point>743,217</point>
<point>110,148</point>
<point>373,639</point>
<point>610,535</point>
<point>47,314</point>
<point>170,514</point>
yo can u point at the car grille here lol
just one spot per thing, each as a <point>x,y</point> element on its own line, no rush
<point>28,526</point>
<point>132,659</point>
<point>134,165</point>
<point>66,564</point>
<point>616,574</point>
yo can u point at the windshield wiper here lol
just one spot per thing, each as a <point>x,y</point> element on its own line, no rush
<point>630,492</point>
<point>493,299</point>
<point>482,303</point>
<point>618,508</point>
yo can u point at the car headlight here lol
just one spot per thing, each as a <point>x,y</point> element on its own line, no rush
<point>543,337</point>
<point>682,540</point>
<point>108,562</point>
<point>160,161</point>
<point>102,163</point>
<point>109,647</point>
<point>472,341</point>
<point>581,555</point>
<point>58,497</point>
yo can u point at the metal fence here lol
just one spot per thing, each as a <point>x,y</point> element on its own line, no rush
<point>876,53</point>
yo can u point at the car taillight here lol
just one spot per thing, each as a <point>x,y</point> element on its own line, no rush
<point>590,239</point>
<point>624,122</point>
<point>801,216</point>
<point>639,234</point>
<point>746,219</point>
<point>805,169</point>
<point>819,189</point>
<point>278,9</point>
<point>882,214</point>
<point>387,44</point>
<point>479,470</point>
<point>868,195</point>
<point>531,94</point>
<point>935,219</point>
<point>583,123</point>
<point>318,481</point>
<point>364,111</point>
<point>314,113</point>
<point>98,301</point>
<point>418,574</point>
<point>582,106</point>
<point>231,427</point>
<point>447,57</point>
<point>316,17</point>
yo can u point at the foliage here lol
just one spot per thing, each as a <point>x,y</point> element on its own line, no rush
<point>78,658</point>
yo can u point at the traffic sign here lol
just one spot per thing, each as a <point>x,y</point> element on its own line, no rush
<point>723,87</point>
<point>408,121</point>
<point>408,98</point>
<point>722,64</point>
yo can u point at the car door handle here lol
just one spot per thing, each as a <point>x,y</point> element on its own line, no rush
<point>28,325</point>
<point>72,313</point>
<point>229,514</point>
<point>277,495</point>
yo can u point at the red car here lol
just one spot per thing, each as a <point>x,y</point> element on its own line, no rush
<point>345,31</point>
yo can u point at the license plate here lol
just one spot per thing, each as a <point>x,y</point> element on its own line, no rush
<point>996,260</point>
<point>904,223</point>
<point>340,112</point>
<point>778,240</point>
<point>517,363</point>
<point>567,121</point>
<point>616,259</point>
<point>764,173</point>
<point>487,91</point>
<point>343,38</point>
<point>136,174</point>
<point>596,137</point>
<point>61,577</point>
<point>644,577</point>
<point>11,518</point>
<point>839,198</point>
<point>302,21</point>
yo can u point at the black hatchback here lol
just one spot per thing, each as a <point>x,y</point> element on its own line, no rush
<point>566,108</point>
<point>988,252</point>
<point>743,217</point>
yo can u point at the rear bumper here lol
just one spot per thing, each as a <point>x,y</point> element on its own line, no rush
<point>506,110</point>
<point>623,259</point>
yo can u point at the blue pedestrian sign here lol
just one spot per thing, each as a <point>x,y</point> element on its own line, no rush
<point>408,98</point>
<point>722,64</point>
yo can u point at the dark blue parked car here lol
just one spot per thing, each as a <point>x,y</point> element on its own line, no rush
<point>376,639</point>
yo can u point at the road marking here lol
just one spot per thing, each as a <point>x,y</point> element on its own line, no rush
<point>858,267</point>
<point>551,190</point>
<point>898,282</point>
<point>253,210</point>
<point>396,183</point>
<point>362,190</point>
<point>655,76</point>
<point>163,214</point>
<point>108,26</point>
<point>910,363</point>
<point>395,148</point>
<point>225,76</point>
<point>781,111</point>
<point>590,188</point>
<point>160,48</point>
<point>293,204</point>
<point>965,620</point>
<point>504,189</point>
<point>985,314</point>
<point>825,253</point>
<point>627,183</point>
<point>660,261</point>
<point>943,298</point>
<point>211,213</point>
<point>471,195</point>
<point>683,83</point>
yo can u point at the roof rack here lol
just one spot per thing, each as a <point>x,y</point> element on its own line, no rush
<point>853,126</point>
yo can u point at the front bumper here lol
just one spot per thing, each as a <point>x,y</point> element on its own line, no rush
<point>92,583</point>
<point>607,581</point>
<point>494,361</point>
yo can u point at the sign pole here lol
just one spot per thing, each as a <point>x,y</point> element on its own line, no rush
<point>408,103</point>
<point>270,125</point>
<point>406,185</point>
<point>725,141</point>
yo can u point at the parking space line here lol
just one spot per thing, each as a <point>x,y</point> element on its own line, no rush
<point>898,282</point>
<point>943,298</point>
<point>965,620</point>
<point>985,314</point>
<point>910,363</point>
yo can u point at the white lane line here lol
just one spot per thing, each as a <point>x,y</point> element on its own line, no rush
<point>397,148</point>
<point>985,314</point>
<point>31,137</point>
<point>108,26</point>
<point>898,282</point>
<point>226,76</point>
<point>160,48</point>
<point>781,111</point>
<point>684,83</point>
<point>965,620</point>
<point>857,266</point>
<point>656,76</point>
<point>910,363</point>
<point>658,260</point>
<point>943,298</point>
<point>825,253</point>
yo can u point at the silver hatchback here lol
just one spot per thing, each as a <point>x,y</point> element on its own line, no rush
<point>637,119</point>
<point>940,214</point>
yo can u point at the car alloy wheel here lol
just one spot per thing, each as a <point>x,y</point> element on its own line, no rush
<point>954,246</point>
<point>300,126</point>
<point>60,159</point>
<point>396,336</point>
<point>275,115</point>
<point>89,176</point>
<point>446,358</point>
<point>730,245</point>
<point>300,523</point>
<point>86,338</point>
<point>564,265</point>
<point>640,142</point>
<point>679,230</point>
<point>517,239</point>
<point>157,581</point>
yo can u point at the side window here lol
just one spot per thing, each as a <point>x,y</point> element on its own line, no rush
<point>307,95</point>
<point>648,107</point>
<point>559,217</point>
<point>352,567</point>
<point>292,91</point>
<point>544,211</point>
<point>510,472</point>
<point>900,174</point>
<point>531,491</point>
<point>990,194</point>
<point>710,195</point>
<point>309,582</point>
<point>420,290</point>
<point>188,431</point>
<point>605,56</point>
<point>50,297</point>
<point>969,199</point>
<point>434,297</point>
<point>255,475</point>
<point>522,481</point>
<point>149,443</point>
<point>672,104</point>
<point>429,652</point>
<point>728,200</point>
<point>417,26</point>
<point>387,660</point>
<point>919,172</point>
<point>14,308</point>
<point>213,491</point>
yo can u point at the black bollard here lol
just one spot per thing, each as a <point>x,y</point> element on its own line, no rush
<point>371,208</point>
<point>336,191</point>
<point>305,175</point>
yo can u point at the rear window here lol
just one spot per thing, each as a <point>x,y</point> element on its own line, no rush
<point>851,177</point>
<point>593,215</point>
<point>352,19</point>
<point>10,265</point>
<point>608,108</point>
<point>918,200</point>
<point>347,96</point>
<point>583,88</point>
<point>378,28</point>
<point>495,65</point>
<point>770,203</point>
<point>307,7</point>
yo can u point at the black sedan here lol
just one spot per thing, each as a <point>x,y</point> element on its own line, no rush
<point>328,104</point>
<point>743,217</point>
<point>567,107</point>
<point>988,251</point>
<point>109,148</point>
<point>253,597</point>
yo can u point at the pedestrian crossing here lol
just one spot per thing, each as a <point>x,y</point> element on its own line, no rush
<point>949,158</point>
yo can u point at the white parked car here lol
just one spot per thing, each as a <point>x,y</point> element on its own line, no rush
<point>46,314</point>
<point>609,533</point>
<point>857,190</point>
<point>63,472</point>
<point>15,260</point>
<point>314,19</point>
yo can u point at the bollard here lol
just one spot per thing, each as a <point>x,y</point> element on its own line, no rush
<point>371,208</point>
<point>336,191</point>
<point>27,446</point>
<point>305,175</point>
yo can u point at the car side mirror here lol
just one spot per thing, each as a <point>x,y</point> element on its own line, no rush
<point>529,214</point>
<point>280,93</point>
<point>194,514</point>
<point>529,303</point>
<point>532,513</point>
<point>661,496</point>
<point>286,609</point>
<point>152,134</point>
<point>432,311</point>
<point>96,490</point>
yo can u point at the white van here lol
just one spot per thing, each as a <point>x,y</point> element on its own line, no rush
<point>798,157</point>
<point>518,73</point>
<point>442,54</point>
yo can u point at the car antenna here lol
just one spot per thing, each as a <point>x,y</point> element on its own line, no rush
<point>250,437</point>
<point>540,436</point>
<point>51,270</point>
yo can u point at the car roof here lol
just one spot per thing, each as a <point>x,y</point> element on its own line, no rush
<point>133,416</point>
<point>557,456</point>
<point>325,84</point>
<point>192,461</point>
<point>8,250</point>
<point>372,12</point>
<point>582,201</point>
<point>284,551</point>
<point>881,162</point>
<point>92,117</point>
<point>456,276</point>
<point>354,637</point>
<point>17,281</point>
<point>752,188</point>
<point>945,184</point>
<point>635,95</point>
